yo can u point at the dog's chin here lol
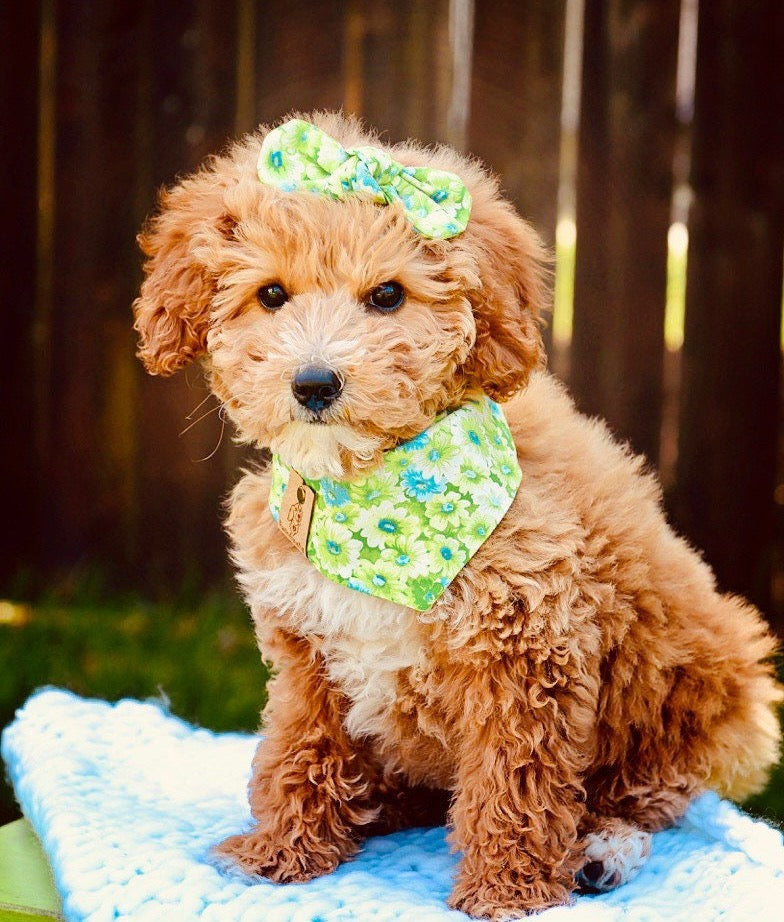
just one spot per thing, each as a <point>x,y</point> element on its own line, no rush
<point>333,450</point>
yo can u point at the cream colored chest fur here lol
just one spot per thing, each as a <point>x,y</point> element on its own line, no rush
<point>365,641</point>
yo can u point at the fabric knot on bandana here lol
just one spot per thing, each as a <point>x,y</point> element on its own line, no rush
<point>298,155</point>
<point>405,530</point>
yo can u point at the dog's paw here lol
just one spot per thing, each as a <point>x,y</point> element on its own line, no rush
<point>614,854</point>
<point>491,901</point>
<point>258,854</point>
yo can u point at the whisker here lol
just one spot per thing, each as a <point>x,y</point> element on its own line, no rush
<point>199,405</point>
<point>200,418</point>
<point>220,407</point>
<point>220,439</point>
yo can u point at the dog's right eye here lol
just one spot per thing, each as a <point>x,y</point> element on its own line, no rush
<point>272,297</point>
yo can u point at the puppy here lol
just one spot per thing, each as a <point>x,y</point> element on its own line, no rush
<point>578,680</point>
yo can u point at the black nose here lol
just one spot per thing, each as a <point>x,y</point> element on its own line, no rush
<point>316,387</point>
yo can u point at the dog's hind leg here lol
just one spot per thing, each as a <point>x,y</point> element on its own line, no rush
<point>614,852</point>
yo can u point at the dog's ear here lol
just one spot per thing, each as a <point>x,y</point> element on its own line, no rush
<point>512,266</point>
<point>172,310</point>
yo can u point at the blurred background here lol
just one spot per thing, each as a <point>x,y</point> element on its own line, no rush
<point>643,138</point>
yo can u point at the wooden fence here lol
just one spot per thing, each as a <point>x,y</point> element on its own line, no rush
<point>103,101</point>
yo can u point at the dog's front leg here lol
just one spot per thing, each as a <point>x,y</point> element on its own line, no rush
<point>519,794</point>
<point>309,792</point>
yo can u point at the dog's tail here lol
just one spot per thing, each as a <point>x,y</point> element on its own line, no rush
<point>747,743</point>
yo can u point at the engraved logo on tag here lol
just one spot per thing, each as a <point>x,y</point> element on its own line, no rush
<point>296,511</point>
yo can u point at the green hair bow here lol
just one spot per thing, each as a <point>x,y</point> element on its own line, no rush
<point>298,155</point>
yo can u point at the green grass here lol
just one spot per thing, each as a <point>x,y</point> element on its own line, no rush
<point>202,658</point>
<point>770,802</point>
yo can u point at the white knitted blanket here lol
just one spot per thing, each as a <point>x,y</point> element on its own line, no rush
<point>128,800</point>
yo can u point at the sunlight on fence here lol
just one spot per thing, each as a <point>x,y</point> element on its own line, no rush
<point>675,311</point>
<point>563,301</point>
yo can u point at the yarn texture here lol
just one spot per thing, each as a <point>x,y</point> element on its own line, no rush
<point>128,800</point>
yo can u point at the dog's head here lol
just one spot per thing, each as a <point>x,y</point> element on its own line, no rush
<point>332,330</point>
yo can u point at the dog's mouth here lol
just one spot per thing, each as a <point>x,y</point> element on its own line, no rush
<point>315,417</point>
<point>317,444</point>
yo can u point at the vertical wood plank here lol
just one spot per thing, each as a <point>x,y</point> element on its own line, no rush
<point>731,354</point>
<point>245,106</point>
<point>515,122</point>
<point>354,27</point>
<point>406,69</point>
<point>624,185</point>
<point>19,92</point>
<point>516,101</point>
<point>383,103</point>
<point>187,107</point>
<point>461,46</point>
<point>89,471</point>
<point>299,57</point>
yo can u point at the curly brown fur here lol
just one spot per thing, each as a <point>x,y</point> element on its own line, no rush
<point>581,674</point>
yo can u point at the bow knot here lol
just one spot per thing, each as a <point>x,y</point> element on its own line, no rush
<point>298,155</point>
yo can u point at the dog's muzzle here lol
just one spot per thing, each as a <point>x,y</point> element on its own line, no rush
<point>316,387</point>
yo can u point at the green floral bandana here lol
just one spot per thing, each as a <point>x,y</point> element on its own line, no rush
<point>404,531</point>
<point>297,155</point>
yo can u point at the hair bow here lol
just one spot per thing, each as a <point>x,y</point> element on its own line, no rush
<point>298,155</point>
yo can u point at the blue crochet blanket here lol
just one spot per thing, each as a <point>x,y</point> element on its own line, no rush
<point>128,800</point>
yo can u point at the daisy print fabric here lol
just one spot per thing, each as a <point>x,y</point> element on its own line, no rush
<point>405,530</point>
<point>298,155</point>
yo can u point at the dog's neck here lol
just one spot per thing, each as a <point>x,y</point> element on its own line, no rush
<point>404,531</point>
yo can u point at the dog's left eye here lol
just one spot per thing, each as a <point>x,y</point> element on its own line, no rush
<point>272,296</point>
<point>387,297</point>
